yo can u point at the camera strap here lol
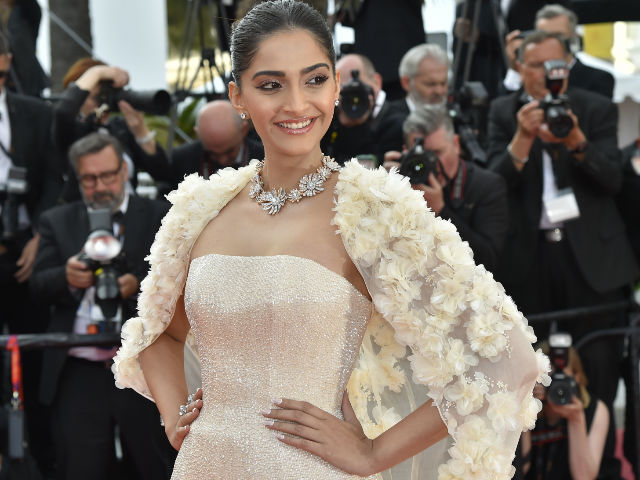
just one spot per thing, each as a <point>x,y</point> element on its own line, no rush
<point>456,192</point>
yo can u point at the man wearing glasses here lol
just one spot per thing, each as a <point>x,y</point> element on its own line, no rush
<point>566,246</point>
<point>78,383</point>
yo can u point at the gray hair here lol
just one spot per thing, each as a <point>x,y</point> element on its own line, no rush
<point>426,119</point>
<point>555,10</point>
<point>414,56</point>
<point>538,37</point>
<point>94,143</point>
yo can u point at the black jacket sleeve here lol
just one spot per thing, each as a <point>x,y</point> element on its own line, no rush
<point>48,282</point>
<point>486,226</point>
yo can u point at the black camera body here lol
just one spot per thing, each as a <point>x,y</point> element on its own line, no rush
<point>563,387</point>
<point>556,105</point>
<point>355,96</point>
<point>13,194</point>
<point>104,257</point>
<point>154,102</point>
<point>418,163</point>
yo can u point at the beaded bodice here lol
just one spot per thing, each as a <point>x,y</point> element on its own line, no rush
<point>266,327</point>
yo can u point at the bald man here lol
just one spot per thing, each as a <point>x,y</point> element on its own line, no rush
<point>223,141</point>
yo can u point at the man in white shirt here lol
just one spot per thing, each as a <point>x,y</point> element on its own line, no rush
<point>567,246</point>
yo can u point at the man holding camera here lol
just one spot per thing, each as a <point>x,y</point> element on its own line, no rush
<point>78,382</point>
<point>473,199</point>
<point>86,106</point>
<point>359,127</point>
<point>566,246</point>
<point>557,18</point>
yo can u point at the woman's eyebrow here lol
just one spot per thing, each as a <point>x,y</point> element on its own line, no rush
<point>280,73</point>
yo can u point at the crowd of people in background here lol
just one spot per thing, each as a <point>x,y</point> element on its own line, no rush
<point>552,214</point>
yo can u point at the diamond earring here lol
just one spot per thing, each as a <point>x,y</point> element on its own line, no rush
<point>243,116</point>
<point>337,102</point>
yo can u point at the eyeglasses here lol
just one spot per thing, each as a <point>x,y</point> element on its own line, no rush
<point>4,73</point>
<point>90,180</point>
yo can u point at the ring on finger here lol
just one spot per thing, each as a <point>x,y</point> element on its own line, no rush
<point>183,410</point>
<point>190,398</point>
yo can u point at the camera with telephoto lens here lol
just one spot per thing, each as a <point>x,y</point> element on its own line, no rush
<point>563,387</point>
<point>468,110</point>
<point>555,104</point>
<point>104,257</point>
<point>418,163</point>
<point>12,194</point>
<point>355,97</point>
<point>154,102</point>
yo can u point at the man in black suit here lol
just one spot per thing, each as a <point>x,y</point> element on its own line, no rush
<point>223,141</point>
<point>366,131</point>
<point>556,18</point>
<point>25,149</point>
<point>566,246</point>
<point>472,198</point>
<point>78,382</point>
<point>424,75</point>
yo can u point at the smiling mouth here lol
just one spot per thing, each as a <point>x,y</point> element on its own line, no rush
<point>296,125</point>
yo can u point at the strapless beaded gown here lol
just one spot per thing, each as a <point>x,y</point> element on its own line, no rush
<point>266,327</point>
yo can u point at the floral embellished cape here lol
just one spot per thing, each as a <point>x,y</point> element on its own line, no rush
<point>442,328</point>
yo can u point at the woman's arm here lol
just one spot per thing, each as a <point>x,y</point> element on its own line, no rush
<point>343,443</point>
<point>585,448</point>
<point>163,367</point>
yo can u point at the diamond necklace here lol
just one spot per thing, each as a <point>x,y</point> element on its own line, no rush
<point>309,185</point>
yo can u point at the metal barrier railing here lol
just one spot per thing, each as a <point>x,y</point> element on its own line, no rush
<point>631,332</point>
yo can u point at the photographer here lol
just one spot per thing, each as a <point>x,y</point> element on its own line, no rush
<point>567,245</point>
<point>360,125</point>
<point>571,431</point>
<point>77,382</point>
<point>79,113</point>
<point>559,19</point>
<point>473,199</point>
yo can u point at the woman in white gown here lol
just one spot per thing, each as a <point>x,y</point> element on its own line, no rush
<point>296,280</point>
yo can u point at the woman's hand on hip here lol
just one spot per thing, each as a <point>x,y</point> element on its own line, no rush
<point>188,413</point>
<point>341,443</point>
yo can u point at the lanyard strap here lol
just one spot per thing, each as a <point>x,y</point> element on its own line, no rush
<point>16,373</point>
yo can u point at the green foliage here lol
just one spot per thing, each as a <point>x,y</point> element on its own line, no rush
<point>186,122</point>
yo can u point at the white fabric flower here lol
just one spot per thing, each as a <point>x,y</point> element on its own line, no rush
<point>544,367</point>
<point>459,357</point>
<point>503,411</point>
<point>529,412</point>
<point>467,396</point>
<point>430,370</point>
